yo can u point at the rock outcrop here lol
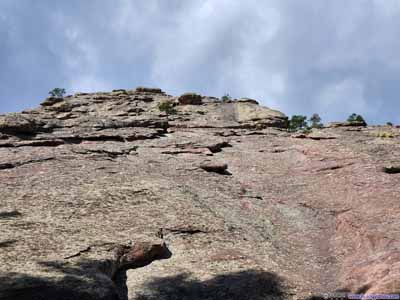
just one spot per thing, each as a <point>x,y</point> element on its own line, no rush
<point>347,124</point>
<point>190,98</point>
<point>95,186</point>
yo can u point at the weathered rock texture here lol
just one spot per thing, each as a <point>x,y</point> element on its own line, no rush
<point>248,210</point>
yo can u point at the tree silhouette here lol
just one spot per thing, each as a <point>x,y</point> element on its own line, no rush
<point>57,92</point>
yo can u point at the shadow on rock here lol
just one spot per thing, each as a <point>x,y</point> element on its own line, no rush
<point>82,278</point>
<point>24,287</point>
<point>251,284</point>
<point>7,243</point>
<point>9,214</point>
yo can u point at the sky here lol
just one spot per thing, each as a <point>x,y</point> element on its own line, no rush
<point>331,57</point>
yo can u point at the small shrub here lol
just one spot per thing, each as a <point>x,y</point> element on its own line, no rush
<point>389,123</point>
<point>315,121</point>
<point>167,107</point>
<point>226,98</point>
<point>57,92</point>
<point>297,122</point>
<point>354,118</point>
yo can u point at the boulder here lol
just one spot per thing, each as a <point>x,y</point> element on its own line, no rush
<point>247,100</point>
<point>142,89</point>
<point>249,111</point>
<point>190,99</point>
<point>219,168</point>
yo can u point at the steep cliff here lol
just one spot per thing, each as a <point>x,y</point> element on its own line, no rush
<point>205,200</point>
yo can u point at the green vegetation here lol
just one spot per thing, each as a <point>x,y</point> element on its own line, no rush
<point>167,107</point>
<point>354,118</point>
<point>297,122</point>
<point>315,121</point>
<point>57,92</point>
<point>226,98</point>
<point>389,123</point>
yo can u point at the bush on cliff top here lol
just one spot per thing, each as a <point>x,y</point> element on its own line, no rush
<point>355,118</point>
<point>297,122</point>
<point>57,92</point>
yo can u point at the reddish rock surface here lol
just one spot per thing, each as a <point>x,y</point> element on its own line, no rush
<point>297,216</point>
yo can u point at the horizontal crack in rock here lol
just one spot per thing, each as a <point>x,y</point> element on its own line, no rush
<point>187,231</point>
<point>109,153</point>
<point>333,167</point>
<point>79,253</point>
<point>4,166</point>
<point>10,214</point>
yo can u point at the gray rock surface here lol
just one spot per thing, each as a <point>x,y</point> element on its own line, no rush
<point>96,184</point>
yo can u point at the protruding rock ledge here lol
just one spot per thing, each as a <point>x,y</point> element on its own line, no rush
<point>346,124</point>
<point>95,272</point>
<point>51,101</point>
<point>19,124</point>
<point>92,113</point>
<point>190,99</point>
<point>247,100</point>
<point>142,89</point>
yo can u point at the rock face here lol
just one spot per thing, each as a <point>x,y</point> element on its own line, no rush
<point>18,124</point>
<point>95,185</point>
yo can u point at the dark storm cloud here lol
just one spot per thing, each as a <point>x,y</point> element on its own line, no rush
<point>331,57</point>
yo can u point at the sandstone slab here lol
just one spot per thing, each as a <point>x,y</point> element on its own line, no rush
<point>89,193</point>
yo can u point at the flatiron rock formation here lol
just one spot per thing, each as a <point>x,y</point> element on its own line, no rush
<point>112,196</point>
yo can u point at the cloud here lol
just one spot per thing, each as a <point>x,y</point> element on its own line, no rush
<point>332,57</point>
<point>345,96</point>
